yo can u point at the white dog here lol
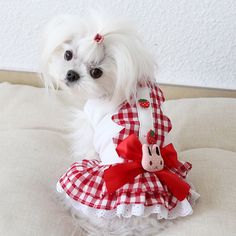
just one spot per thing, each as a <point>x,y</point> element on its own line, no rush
<point>110,69</point>
<point>105,63</point>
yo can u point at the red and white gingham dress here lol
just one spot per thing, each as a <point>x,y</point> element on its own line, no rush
<point>84,185</point>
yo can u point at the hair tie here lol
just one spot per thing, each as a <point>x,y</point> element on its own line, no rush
<point>98,38</point>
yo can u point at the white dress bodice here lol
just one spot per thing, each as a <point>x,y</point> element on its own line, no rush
<point>105,129</point>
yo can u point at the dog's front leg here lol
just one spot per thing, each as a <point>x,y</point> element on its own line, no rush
<point>82,137</point>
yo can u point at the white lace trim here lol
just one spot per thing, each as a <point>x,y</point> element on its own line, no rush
<point>182,208</point>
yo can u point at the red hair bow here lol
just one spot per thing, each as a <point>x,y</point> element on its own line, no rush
<point>131,149</point>
<point>98,38</point>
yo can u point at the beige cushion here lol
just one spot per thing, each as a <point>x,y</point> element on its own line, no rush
<point>213,175</point>
<point>34,153</point>
<point>203,123</point>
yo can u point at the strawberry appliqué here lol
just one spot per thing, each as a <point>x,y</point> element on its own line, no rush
<point>151,137</point>
<point>144,103</point>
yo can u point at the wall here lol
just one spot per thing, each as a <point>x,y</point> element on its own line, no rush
<point>194,42</point>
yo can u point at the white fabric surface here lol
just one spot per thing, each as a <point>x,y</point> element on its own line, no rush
<point>145,115</point>
<point>34,153</point>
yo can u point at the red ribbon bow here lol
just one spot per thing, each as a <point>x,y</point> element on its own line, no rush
<point>131,149</point>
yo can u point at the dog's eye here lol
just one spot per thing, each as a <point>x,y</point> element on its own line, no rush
<point>68,55</point>
<point>96,73</point>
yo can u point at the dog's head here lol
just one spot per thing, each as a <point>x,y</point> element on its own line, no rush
<point>96,57</point>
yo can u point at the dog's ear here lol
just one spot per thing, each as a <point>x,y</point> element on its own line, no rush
<point>60,29</point>
<point>133,62</point>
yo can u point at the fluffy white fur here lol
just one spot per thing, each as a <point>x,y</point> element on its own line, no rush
<point>124,62</point>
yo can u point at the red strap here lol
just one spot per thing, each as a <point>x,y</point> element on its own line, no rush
<point>178,187</point>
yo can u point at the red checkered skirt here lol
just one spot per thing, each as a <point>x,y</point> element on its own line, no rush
<point>84,183</point>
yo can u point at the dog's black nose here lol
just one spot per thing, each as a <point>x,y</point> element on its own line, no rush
<point>72,76</point>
